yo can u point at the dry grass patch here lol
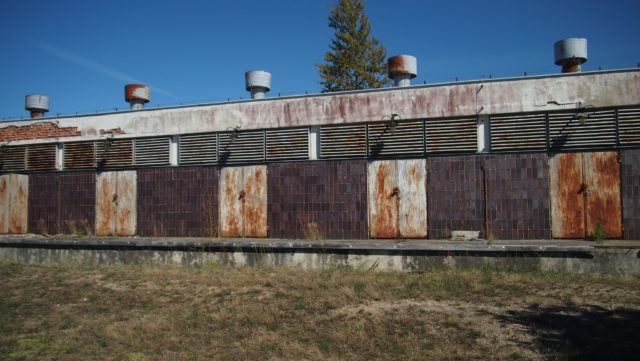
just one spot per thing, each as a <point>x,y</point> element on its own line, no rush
<point>168,313</point>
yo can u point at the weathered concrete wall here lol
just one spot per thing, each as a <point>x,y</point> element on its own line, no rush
<point>62,201</point>
<point>601,261</point>
<point>630,184</point>
<point>181,202</point>
<point>553,92</point>
<point>324,199</point>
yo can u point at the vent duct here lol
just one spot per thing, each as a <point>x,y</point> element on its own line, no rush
<point>136,95</point>
<point>258,82</point>
<point>571,53</point>
<point>37,105</point>
<point>402,68</point>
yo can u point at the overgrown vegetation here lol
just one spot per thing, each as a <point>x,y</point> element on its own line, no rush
<point>598,234</point>
<point>218,312</point>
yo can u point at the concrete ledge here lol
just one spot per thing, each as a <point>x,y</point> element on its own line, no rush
<point>409,255</point>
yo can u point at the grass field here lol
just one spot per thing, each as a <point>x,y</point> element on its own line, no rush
<point>180,313</point>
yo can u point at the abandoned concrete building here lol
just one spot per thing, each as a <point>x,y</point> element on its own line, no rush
<point>534,157</point>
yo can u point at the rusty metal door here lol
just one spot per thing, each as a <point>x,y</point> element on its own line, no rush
<point>116,210</point>
<point>243,201</point>
<point>14,200</point>
<point>585,190</point>
<point>397,191</point>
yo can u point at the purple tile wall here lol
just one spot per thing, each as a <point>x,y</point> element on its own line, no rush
<point>630,177</point>
<point>330,194</point>
<point>518,193</point>
<point>180,202</point>
<point>455,195</point>
<point>61,202</point>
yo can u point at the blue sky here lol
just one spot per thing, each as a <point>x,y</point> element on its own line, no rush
<point>82,53</point>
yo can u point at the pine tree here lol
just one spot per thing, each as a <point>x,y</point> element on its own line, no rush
<point>356,59</point>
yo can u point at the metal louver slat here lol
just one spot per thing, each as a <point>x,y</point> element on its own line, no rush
<point>152,151</point>
<point>343,141</point>
<point>451,135</point>
<point>514,132</point>
<point>582,129</point>
<point>12,159</point>
<point>79,155</point>
<point>286,144</point>
<point>386,139</point>
<point>629,125</point>
<point>241,147</point>
<point>114,153</point>
<point>198,149</point>
<point>41,157</point>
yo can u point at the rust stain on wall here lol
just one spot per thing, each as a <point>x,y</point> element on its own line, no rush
<point>126,203</point>
<point>603,203</point>
<point>18,188</point>
<point>383,199</point>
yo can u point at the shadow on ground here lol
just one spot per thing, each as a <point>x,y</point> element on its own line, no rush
<point>581,332</point>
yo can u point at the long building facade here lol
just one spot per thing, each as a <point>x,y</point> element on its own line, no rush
<point>542,157</point>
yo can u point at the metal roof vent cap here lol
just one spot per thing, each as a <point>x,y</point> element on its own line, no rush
<point>402,68</point>
<point>37,105</point>
<point>570,53</point>
<point>136,95</point>
<point>258,82</point>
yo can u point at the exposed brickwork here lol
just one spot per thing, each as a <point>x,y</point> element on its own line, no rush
<point>36,131</point>
<point>518,192</point>
<point>180,202</point>
<point>112,131</point>
<point>330,194</point>
<point>630,176</point>
<point>455,195</point>
<point>61,202</point>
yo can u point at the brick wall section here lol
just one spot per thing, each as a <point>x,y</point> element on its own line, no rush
<point>331,194</point>
<point>62,202</point>
<point>630,177</point>
<point>36,131</point>
<point>455,195</point>
<point>518,192</point>
<point>179,202</point>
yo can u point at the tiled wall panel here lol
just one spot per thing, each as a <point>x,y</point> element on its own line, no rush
<point>322,199</point>
<point>455,195</point>
<point>180,202</point>
<point>630,177</point>
<point>61,202</point>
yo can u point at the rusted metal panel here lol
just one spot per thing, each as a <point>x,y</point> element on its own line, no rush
<point>106,203</point>
<point>603,204</point>
<point>18,201</point>
<point>343,141</point>
<point>451,135</point>
<point>116,203</point>
<point>231,202</point>
<point>519,131</point>
<point>12,158</point>
<point>412,198</point>
<point>629,120</point>
<point>287,144</point>
<point>254,201</point>
<point>126,192</point>
<point>4,204</point>
<point>567,196</point>
<point>388,139</point>
<point>114,153</point>
<point>243,201</point>
<point>198,149</point>
<point>383,192</point>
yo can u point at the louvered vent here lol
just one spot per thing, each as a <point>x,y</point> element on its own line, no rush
<point>114,153</point>
<point>629,124</point>
<point>288,144</point>
<point>12,159</point>
<point>241,147</point>
<point>451,135</point>
<point>152,151</point>
<point>515,132</point>
<point>198,149</point>
<point>343,141</point>
<point>79,155</point>
<point>402,138</point>
<point>582,129</point>
<point>41,157</point>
